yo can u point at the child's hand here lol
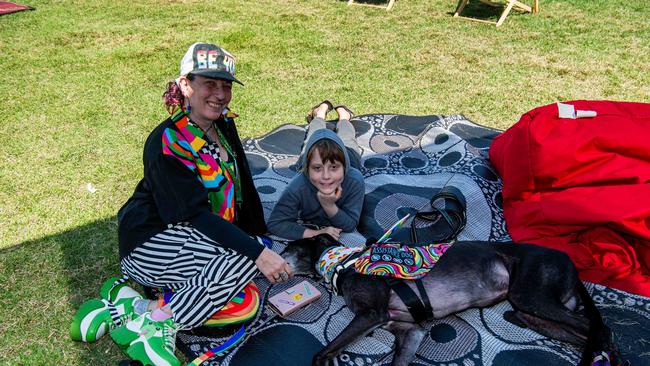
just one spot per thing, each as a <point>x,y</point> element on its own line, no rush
<point>332,231</point>
<point>328,201</point>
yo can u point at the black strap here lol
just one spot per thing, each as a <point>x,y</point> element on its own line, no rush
<point>341,268</point>
<point>420,312</point>
<point>428,310</point>
<point>453,213</point>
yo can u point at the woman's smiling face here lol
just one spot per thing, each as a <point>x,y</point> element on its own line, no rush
<point>207,97</point>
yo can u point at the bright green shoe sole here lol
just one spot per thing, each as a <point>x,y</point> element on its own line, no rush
<point>151,354</point>
<point>90,322</point>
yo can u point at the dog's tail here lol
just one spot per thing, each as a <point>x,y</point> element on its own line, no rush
<point>599,348</point>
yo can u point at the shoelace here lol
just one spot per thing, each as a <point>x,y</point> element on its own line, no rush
<point>169,331</point>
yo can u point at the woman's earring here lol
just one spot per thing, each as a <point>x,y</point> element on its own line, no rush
<point>188,109</point>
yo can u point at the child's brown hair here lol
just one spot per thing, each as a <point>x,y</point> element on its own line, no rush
<point>328,150</point>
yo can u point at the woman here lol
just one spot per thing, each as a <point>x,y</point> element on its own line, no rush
<point>187,225</point>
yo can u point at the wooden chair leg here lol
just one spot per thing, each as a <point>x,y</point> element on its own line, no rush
<point>505,13</point>
<point>460,7</point>
<point>522,6</point>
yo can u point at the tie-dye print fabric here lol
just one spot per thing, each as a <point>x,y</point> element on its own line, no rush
<point>400,261</point>
<point>331,257</point>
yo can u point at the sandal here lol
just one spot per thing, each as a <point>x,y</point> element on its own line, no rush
<point>312,113</point>
<point>344,107</point>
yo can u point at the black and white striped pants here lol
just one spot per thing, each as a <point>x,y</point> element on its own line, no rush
<point>203,275</point>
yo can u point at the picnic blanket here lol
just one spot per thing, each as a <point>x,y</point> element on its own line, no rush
<point>582,186</point>
<point>405,158</point>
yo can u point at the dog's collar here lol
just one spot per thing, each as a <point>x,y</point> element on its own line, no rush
<point>336,259</point>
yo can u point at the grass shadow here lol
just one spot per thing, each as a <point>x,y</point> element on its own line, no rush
<point>43,282</point>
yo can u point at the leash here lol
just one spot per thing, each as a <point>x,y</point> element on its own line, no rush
<point>450,195</point>
<point>231,341</point>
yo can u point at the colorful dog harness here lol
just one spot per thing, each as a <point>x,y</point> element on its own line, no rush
<point>392,260</point>
<point>400,261</point>
<point>334,260</point>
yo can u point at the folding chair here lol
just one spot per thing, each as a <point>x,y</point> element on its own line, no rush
<point>387,7</point>
<point>506,11</point>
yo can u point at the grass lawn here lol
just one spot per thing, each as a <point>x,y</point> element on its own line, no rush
<point>81,90</point>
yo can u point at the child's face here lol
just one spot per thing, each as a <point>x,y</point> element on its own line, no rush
<point>326,177</point>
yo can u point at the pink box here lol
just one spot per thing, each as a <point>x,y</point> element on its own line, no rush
<point>294,298</point>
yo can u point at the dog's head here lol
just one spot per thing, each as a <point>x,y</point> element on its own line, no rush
<point>303,254</point>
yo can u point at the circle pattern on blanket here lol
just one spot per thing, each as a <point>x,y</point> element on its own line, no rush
<point>452,338</point>
<point>497,198</point>
<point>414,160</point>
<point>442,333</point>
<point>474,135</point>
<point>529,357</point>
<point>450,158</point>
<point>485,172</point>
<point>618,318</point>
<point>360,127</point>
<point>287,167</point>
<point>286,140</point>
<point>441,139</point>
<point>411,125</point>
<point>266,189</point>
<point>257,163</point>
<point>269,347</point>
<point>383,144</point>
<point>395,206</point>
<point>269,189</point>
<point>375,163</point>
<point>438,140</point>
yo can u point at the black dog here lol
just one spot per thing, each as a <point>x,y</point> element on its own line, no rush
<point>542,285</point>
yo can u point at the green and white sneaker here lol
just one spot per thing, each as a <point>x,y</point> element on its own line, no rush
<point>96,317</point>
<point>148,341</point>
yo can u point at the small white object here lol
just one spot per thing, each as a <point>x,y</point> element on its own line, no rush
<point>568,111</point>
<point>585,114</point>
<point>91,188</point>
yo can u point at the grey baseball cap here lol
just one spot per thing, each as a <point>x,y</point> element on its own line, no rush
<point>209,60</point>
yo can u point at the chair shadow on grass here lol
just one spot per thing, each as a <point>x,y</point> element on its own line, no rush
<point>49,278</point>
<point>379,3</point>
<point>484,12</point>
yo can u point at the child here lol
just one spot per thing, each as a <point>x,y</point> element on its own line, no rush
<point>327,195</point>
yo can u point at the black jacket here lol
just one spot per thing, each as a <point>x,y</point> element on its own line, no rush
<point>172,191</point>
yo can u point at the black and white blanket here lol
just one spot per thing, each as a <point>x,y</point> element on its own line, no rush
<point>404,159</point>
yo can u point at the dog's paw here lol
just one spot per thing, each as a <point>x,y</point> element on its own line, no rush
<point>511,316</point>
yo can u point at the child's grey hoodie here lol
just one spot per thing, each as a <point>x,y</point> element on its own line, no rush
<point>299,201</point>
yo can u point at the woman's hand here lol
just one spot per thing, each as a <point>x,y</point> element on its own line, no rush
<point>332,231</point>
<point>273,266</point>
<point>328,201</point>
